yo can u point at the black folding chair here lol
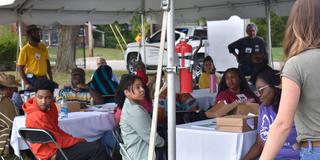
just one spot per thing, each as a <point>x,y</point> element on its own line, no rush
<point>117,135</point>
<point>33,135</point>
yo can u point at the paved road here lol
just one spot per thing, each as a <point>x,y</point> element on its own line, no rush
<point>121,65</point>
<point>91,63</point>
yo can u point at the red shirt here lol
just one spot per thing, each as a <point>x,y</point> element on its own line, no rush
<point>230,96</point>
<point>142,74</point>
<point>47,120</point>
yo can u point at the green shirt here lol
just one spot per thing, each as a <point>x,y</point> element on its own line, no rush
<point>303,69</point>
<point>135,124</point>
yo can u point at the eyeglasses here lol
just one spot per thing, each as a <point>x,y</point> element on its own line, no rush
<point>259,91</point>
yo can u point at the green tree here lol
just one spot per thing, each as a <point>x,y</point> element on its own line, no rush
<point>110,40</point>
<point>8,47</point>
<point>278,25</point>
<point>135,24</point>
<point>128,31</point>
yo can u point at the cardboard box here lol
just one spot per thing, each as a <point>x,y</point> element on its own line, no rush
<point>73,106</point>
<point>236,123</point>
<point>245,109</point>
<point>222,109</point>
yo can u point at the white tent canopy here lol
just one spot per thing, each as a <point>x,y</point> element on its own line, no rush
<point>75,12</point>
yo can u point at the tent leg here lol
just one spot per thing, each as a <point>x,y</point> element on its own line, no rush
<point>20,46</point>
<point>171,86</point>
<point>269,43</point>
<point>84,47</point>
<point>143,38</point>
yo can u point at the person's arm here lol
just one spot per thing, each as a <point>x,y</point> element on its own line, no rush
<point>114,78</point>
<point>96,96</point>
<point>264,50</point>
<point>49,71</point>
<point>282,125</point>
<point>232,48</point>
<point>255,149</point>
<point>23,76</point>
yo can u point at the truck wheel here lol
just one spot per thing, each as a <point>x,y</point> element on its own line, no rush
<point>132,59</point>
<point>197,69</point>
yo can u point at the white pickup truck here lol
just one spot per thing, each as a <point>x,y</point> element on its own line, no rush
<point>152,46</point>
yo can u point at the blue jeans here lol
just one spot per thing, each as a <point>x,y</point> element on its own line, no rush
<point>109,141</point>
<point>34,79</point>
<point>310,152</point>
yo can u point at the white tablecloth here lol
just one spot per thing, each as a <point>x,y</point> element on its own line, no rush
<point>204,98</point>
<point>88,125</point>
<point>204,143</point>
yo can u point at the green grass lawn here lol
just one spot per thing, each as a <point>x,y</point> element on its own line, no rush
<point>64,78</point>
<point>277,54</point>
<point>108,53</point>
<point>117,54</point>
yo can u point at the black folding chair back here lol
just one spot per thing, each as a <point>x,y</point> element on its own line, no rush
<point>33,135</point>
<point>117,135</point>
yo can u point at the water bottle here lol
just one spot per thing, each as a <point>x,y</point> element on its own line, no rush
<point>91,101</point>
<point>26,96</point>
<point>213,82</point>
<point>63,108</point>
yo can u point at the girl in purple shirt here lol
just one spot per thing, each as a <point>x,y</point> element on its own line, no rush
<point>269,94</point>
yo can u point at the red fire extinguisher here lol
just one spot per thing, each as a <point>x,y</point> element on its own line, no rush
<point>184,51</point>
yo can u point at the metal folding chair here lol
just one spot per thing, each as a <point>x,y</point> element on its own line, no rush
<point>117,135</point>
<point>33,135</point>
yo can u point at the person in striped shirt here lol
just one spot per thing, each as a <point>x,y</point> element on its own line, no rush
<point>79,91</point>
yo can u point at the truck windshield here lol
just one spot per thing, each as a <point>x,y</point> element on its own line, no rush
<point>201,33</point>
<point>183,30</point>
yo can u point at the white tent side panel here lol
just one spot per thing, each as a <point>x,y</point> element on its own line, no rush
<point>220,35</point>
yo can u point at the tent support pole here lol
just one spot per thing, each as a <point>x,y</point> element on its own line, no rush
<point>171,85</point>
<point>90,39</point>
<point>117,38</point>
<point>157,88</point>
<point>20,45</point>
<point>269,43</point>
<point>143,38</point>
<point>143,35</point>
<point>84,47</point>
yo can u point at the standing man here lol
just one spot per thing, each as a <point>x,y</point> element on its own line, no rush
<point>247,47</point>
<point>33,61</point>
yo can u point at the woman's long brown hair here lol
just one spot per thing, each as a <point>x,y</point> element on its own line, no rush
<point>303,28</point>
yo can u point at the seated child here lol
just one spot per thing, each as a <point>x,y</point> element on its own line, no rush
<point>207,69</point>
<point>135,121</point>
